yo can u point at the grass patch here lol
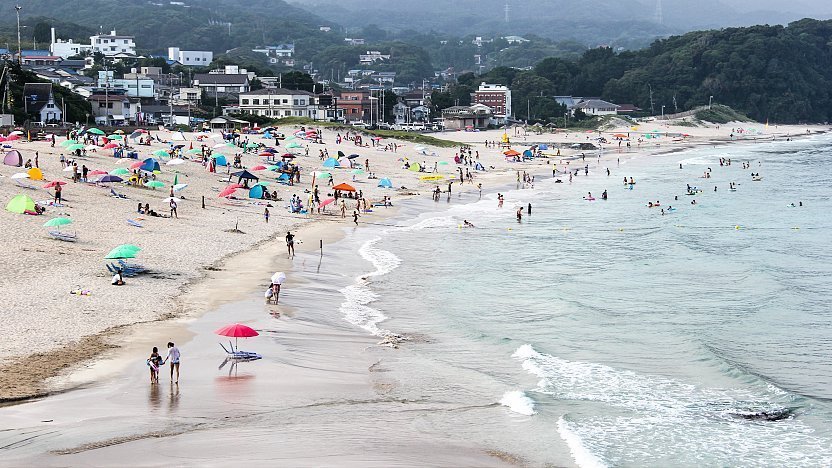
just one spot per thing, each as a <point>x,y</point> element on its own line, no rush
<point>413,137</point>
<point>720,114</point>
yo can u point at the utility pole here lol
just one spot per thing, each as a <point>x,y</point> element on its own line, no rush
<point>710,100</point>
<point>652,111</point>
<point>17,9</point>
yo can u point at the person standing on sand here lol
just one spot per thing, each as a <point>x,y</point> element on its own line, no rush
<point>173,213</point>
<point>174,355</point>
<point>290,243</point>
<point>355,217</point>
<point>343,209</point>
<point>58,190</point>
<point>154,361</point>
<point>266,214</point>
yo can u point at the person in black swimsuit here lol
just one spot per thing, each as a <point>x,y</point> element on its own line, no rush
<point>290,243</point>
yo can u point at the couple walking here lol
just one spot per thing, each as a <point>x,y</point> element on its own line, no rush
<point>155,361</point>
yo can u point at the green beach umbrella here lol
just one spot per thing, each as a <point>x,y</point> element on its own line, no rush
<point>155,184</point>
<point>123,251</point>
<point>273,168</point>
<point>75,147</point>
<point>56,222</point>
<point>95,131</point>
<point>264,183</point>
<point>357,171</point>
<point>176,179</point>
<point>119,171</point>
<point>161,153</point>
<point>290,138</point>
<point>194,151</point>
<point>323,175</point>
<point>230,145</point>
<point>68,143</point>
<point>443,163</point>
<point>294,144</point>
<point>115,137</point>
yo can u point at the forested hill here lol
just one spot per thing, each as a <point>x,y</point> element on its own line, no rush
<point>776,73</point>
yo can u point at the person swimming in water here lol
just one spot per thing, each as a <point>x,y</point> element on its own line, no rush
<point>467,224</point>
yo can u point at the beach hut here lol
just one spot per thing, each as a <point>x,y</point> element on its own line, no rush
<point>385,183</point>
<point>21,204</point>
<point>332,162</point>
<point>13,158</point>
<point>35,173</point>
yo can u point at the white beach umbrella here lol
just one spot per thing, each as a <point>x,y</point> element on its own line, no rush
<point>221,145</point>
<point>168,200</point>
<point>279,277</point>
<point>20,175</point>
<point>179,187</point>
<point>174,162</point>
<point>68,169</point>
<point>91,148</point>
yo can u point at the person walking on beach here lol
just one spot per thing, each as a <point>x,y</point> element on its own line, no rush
<point>266,214</point>
<point>173,213</point>
<point>290,243</point>
<point>355,217</point>
<point>154,361</point>
<point>174,356</point>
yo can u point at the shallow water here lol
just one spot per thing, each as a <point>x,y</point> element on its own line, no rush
<point>616,335</point>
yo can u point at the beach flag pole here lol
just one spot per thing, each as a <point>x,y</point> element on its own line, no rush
<point>322,247</point>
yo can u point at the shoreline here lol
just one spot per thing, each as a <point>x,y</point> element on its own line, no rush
<point>56,367</point>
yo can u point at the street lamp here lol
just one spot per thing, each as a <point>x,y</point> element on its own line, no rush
<point>710,100</point>
<point>17,9</point>
<point>662,112</point>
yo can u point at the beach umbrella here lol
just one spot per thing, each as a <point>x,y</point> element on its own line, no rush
<point>175,162</point>
<point>161,153</point>
<point>20,175</point>
<point>95,131</point>
<point>279,277</point>
<point>194,151</point>
<point>179,187</point>
<point>353,156</point>
<point>275,167</point>
<point>21,204</point>
<point>97,172</point>
<point>135,135</point>
<point>511,152</point>
<point>227,192</point>
<point>68,143</point>
<point>136,165</point>
<point>57,222</point>
<point>219,145</point>
<point>13,137</point>
<point>358,171</point>
<point>294,144</point>
<point>174,199</point>
<point>110,178</point>
<point>326,202</point>
<point>237,331</point>
<point>154,184</point>
<point>123,251</point>
<point>54,183</point>
<point>35,173</point>
<point>115,137</point>
<point>75,147</point>
<point>385,183</point>
<point>217,155</point>
<point>119,171</point>
<point>252,145</point>
<point>344,187</point>
<point>90,147</point>
<point>119,132</point>
<point>259,168</point>
<point>150,165</point>
<point>110,146</point>
<point>288,156</point>
<point>265,154</point>
<point>443,163</point>
<point>323,175</point>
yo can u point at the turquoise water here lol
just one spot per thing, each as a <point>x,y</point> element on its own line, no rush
<point>606,334</point>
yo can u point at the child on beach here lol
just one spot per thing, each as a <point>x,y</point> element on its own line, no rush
<point>154,361</point>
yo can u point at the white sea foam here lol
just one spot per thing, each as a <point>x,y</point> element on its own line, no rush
<point>651,419</point>
<point>518,402</point>
<point>357,296</point>
<point>583,456</point>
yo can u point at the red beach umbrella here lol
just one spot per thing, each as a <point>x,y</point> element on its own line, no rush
<point>110,146</point>
<point>136,165</point>
<point>97,172</point>
<point>227,192</point>
<point>54,183</point>
<point>258,168</point>
<point>237,330</point>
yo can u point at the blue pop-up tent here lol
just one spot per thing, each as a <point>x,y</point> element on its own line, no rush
<point>386,183</point>
<point>256,192</point>
<point>150,165</point>
<point>220,161</point>
<point>331,162</point>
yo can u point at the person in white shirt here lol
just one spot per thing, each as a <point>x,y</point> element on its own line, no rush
<point>173,356</point>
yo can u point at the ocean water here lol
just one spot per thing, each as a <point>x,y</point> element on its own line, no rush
<point>603,333</point>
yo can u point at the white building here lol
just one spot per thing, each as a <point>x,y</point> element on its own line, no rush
<point>135,87</point>
<point>191,58</point>
<point>110,45</point>
<point>597,107</point>
<point>372,56</point>
<point>279,103</point>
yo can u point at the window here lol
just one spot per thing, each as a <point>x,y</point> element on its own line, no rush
<point>245,102</point>
<point>295,102</point>
<point>256,102</point>
<point>285,101</point>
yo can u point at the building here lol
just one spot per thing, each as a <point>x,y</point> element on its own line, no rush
<point>188,95</point>
<point>476,116</point>
<point>191,58</point>
<point>281,53</point>
<point>404,114</point>
<point>115,109</point>
<point>133,87</point>
<point>278,103</point>
<point>356,105</point>
<point>354,41</point>
<point>515,39</point>
<point>221,84</point>
<point>597,107</point>
<point>497,97</point>
<point>372,56</point>
<point>39,100</point>
<point>36,60</point>
<point>111,45</point>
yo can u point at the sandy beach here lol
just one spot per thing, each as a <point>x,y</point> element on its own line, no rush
<point>58,341</point>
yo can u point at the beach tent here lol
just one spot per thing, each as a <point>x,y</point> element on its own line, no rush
<point>385,183</point>
<point>331,162</point>
<point>13,158</point>
<point>543,147</point>
<point>150,165</point>
<point>245,175</point>
<point>345,162</point>
<point>528,154</point>
<point>21,204</point>
<point>415,167</point>
<point>35,173</point>
<point>177,136</point>
<point>344,188</point>
<point>256,192</point>
<point>283,177</point>
<point>220,161</point>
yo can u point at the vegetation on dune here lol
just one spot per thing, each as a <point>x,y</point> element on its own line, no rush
<point>720,114</point>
